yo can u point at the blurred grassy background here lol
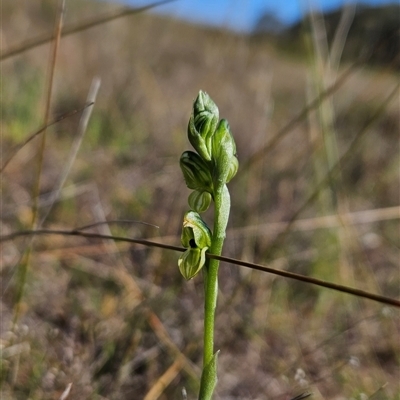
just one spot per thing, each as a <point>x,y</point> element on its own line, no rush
<point>113,319</point>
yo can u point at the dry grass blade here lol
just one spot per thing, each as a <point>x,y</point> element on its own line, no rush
<point>302,396</point>
<point>341,33</point>
<point>66,392</point>
<point>165,379</point>
<point>23,267</point>
<point>162,334</point>
<point>69,30</point>
<point>326,221</point>
<point>378,393</point>
<point>19,146</point>
<point>53,59</point>
<point>258,267</point>
<point>94,88</point>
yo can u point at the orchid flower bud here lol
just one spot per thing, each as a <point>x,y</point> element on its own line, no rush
<point>202,124</point>
<point>196,172</point>
<point>195,232</point>
<point>191,262</point>
<point>196,237</point>
<point>199,201</point>
<point>224,154</point>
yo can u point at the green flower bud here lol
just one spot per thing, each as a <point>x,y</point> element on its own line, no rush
<point>196,237</point>
<point>224,154</point>
<point>191,262</point>
<point>195,232</point>
<point>202,124</point>
<point>196,172</point>
<point>199,201</point>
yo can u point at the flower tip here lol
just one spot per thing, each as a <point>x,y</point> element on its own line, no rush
<point>204,102</point>
<point>202,96</point>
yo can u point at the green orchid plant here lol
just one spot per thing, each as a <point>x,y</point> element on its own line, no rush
<point>207,172</point>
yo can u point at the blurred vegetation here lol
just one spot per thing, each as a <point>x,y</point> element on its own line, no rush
<point>114,319</point>
<point>373,34</point>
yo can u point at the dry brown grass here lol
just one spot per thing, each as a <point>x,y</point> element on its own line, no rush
<point>117,321</point>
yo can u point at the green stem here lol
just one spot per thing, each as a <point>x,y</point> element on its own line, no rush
<point>222,208</point>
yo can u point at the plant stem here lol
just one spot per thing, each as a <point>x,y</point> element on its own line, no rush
<point>222,208</point>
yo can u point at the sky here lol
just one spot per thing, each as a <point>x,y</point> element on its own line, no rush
<point>242,15</point>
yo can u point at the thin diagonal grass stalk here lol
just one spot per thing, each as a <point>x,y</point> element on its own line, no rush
<point>79,27</point>
<point>286,274</point>
<point>85,116</point>
<point>302,114</point>
<point>13,152</point>
<point>115,221</point>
